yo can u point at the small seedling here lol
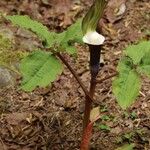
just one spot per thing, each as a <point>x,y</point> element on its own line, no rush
<point>128,136</point>
<point>104,108</point>
<point>104,127</point>
<point>105,118</point>
<point>126,147</point>
<point>133,115</point>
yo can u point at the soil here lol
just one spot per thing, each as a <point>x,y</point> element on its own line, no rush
<point>51,118</point>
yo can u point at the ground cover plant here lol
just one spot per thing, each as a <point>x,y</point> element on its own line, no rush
<point>40,68</point>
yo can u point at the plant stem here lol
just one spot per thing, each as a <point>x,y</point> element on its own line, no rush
<point>76,76</point>
<point>94,69</point>
<point>88,104</point>
<point>95,51</point>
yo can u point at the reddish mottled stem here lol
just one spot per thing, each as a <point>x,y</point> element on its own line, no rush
<point>95,51</point>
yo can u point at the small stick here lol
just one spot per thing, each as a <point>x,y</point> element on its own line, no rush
<point>107,77</point>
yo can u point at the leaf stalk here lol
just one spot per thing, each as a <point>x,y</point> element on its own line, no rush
<point>75,75</point>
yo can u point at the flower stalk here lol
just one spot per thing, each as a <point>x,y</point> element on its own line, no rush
<point>95,51</point>
<point>94,40</point>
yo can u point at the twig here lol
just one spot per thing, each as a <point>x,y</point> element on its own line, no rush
<point>75,75</point>
<point>106,78</point>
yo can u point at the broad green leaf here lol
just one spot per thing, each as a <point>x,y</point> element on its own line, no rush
<point>126,147</point>
<point>137,52</point>
<point>127,85</point>
<point>93,16</point>
<point>61,41</point>
<point>72,35</point>
<point>35,26</point>
<point>39,69</point>
<point>144,66</point>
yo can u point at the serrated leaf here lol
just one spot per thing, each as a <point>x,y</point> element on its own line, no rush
<point>64,40</point>
<point>126,147</point>
<point>72,35</point>
<point>70,49</point>
<point>127,85</point>
<point>144,66</point>
<point>39,69</point>
<point>137,52</point>
<point>93,16</point>
<point>35,26</point>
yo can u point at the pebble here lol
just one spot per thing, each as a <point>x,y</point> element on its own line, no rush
<point>6,78</point>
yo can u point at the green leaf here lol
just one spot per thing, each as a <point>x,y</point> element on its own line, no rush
<point>72,35</point>
<point>127,85</point>
<point>35,26</point>
<point>126,147</point>
<point>105,117</point>
<point>144,66</point>
<point>39,69</point>
<point>69,49</point>
<point>104,127</point>
<point>137,52</point>
<point>93,16</point>
<point>63,41</point>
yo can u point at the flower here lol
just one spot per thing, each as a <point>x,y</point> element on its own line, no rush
<point>93,38</point>
<point>90,21</point>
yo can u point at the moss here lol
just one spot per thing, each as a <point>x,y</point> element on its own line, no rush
<point>8,55</point>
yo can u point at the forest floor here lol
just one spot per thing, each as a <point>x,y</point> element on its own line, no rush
<point>51,118</point>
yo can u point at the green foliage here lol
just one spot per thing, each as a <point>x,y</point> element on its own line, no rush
<point>105,117</point>
<point>93,16</point>
<point>61,41</point>
<point>104,127</point>
<point>126,85</point>
<point>126,147</point>
<point>137,52</point>
<point>72,35</point>
<point>36,27</point>
<point>133,115</point>
<point>39,69</point>
<point>144,65</point>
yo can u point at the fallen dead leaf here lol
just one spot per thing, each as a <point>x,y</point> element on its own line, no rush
<point>95,114</point>
<point>16,118</point>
